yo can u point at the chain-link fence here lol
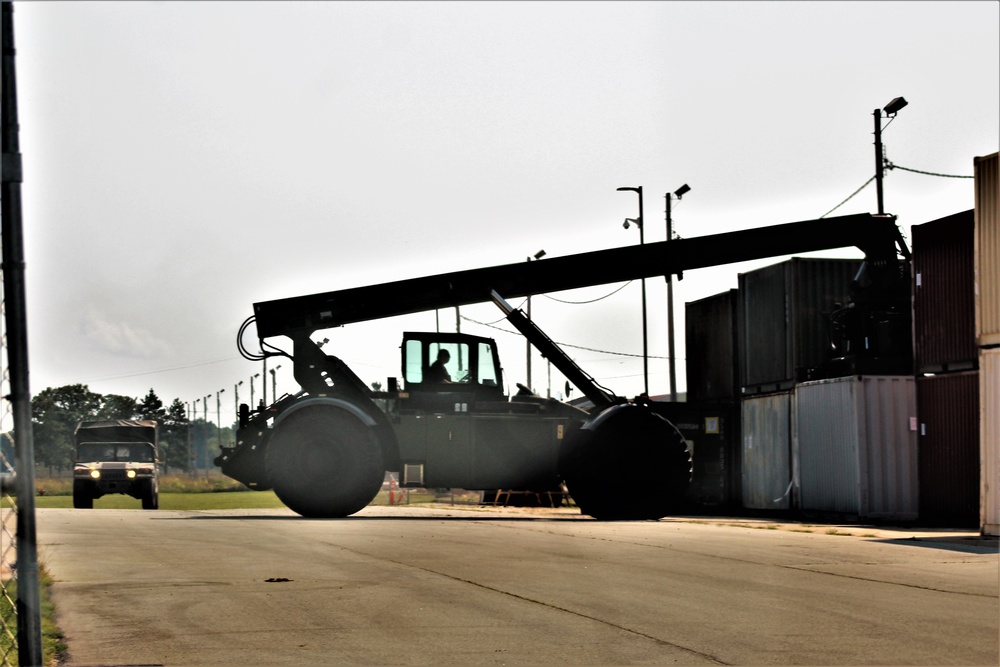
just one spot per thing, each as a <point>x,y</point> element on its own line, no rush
<point>20,608</point>
<point>8,516</point>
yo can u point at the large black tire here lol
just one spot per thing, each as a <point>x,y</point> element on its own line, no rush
<point>82,498</point>
<point>151,496</point>
<point>630,465</point>
<point>323,462</point>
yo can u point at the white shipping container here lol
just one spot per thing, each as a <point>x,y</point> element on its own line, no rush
<point>989,440</point>
<point>856,445</point>
<point>987,250</point>
<point>767,466</point>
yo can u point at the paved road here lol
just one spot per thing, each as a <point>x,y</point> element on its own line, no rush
<point>419,586</point>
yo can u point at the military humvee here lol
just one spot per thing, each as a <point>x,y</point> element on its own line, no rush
<point>116,456</point>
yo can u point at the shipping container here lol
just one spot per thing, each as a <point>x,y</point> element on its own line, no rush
<point>784,321</point>
<point>768,463</point>
<point>712,431</point>
<point>948,453</point>
<point>944,304</point>
<point>711,343</point>
<point>856,445</point>
<point>987,251</point>
<point>989,440</point>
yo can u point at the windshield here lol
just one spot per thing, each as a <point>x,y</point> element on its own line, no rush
<point>110,451</point>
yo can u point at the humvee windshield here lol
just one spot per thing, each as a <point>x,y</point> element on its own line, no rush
<point>101,451</point>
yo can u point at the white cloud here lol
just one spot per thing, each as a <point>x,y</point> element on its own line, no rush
<point>108,335</point>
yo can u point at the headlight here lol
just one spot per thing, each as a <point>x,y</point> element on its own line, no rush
<point>130,474</point>
<point>96,474</point>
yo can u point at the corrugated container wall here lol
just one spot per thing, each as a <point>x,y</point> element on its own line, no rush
<point>712,431</point>
<point>987,250</point>
<point>948,415</point>
<point>767,465</point>
<point>944,304</point>
<point>783,318</point>
<point>711,344</point>
<point>857,446</point>
<point>989,440</point>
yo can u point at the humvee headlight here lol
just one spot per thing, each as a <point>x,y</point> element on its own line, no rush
<point>130,474</point>
<point>96,474</point>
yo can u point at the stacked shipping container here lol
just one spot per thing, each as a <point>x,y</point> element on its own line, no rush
<point>709,419</point>
<point>890,446</point>
<point>945,351</point>
<point>784,319</point>
<point>857,446</point>
<point>987,290</point>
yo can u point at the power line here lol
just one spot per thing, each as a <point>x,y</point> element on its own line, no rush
<point>890,165</point>
<point>161,370</point>
<point>575,347</point>
<point>848,198</point>
<point>600,298</point>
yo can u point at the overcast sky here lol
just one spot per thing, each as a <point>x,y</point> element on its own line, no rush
<point>183,160</point>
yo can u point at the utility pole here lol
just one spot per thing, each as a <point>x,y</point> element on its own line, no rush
<point>680,192</point>
<point>639,222</point>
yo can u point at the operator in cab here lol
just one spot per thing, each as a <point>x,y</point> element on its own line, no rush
<point>437,371</point>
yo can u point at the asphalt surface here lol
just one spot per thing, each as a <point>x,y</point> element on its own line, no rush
<point>421,586</point>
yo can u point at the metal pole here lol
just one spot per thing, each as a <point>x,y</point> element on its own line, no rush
<point>264,383</point>
<point>274,383</point>
<point>28,605</point>
<point>527,348</point>
<point>645,337</point>
<point>642,241</point>
<point>879,162</point>
<point>236,398</point>
<point>670,313</point>
<point>218,417</point>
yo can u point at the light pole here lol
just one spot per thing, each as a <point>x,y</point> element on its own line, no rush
<point>679,192</point>
<point>255,375</point>
<point>891,109</point>
<point>274,383</point>
<point>218,417</point>
<point>642,241</point>
<point>538,255</point>
<point>236,398</point>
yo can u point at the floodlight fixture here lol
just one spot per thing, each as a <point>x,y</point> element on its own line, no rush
<point>683,190</point>
<point>893,107</point>
<point>539,254</point>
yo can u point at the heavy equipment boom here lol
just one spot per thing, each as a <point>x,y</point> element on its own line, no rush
<point>876,236</point>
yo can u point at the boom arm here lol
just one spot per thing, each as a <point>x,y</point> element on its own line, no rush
<point>876,236</point>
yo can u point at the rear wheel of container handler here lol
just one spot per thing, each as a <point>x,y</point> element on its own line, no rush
<point>632,465</point>
<point>82,498</point>
<point>324,462</point>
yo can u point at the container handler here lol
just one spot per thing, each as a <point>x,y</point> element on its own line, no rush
<point>325,449</point>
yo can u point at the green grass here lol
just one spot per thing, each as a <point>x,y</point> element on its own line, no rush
<point>223,500</point>
<point>52,636</point>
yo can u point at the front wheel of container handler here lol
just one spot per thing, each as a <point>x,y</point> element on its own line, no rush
<point>324,462</point>
<point>627,464</point>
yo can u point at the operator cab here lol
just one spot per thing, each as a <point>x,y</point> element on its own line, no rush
<point>453,364</point>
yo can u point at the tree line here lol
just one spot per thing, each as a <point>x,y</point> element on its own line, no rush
<point>56,411</point>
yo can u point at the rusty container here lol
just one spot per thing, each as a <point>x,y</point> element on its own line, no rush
<point>944,304</point>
